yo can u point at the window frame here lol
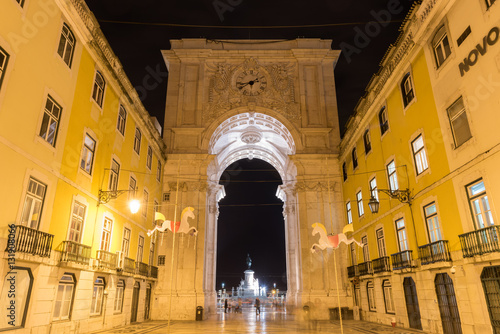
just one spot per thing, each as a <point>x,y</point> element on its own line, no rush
<point>438,40</point>
<point>33,197</point>
<point>388,297</point>
<point>349,212</point>
<point>119,294</point>
<point>152,246</point>
<point>382,250</point>
<point>21,310</point>
<point>383,120</point>
<point>373,189</point>
<point>407,89</point>
<point>354,255</point>
<point>20,3</point>
<point>354,156</point>
<point>3,66</point>
<point>85,151</point>
<point>66,42</point>
<point>122,120</point>
<point>436,232</point>
<point>392,176</point>
<point>78,217</point>
<point>158,171</point>
<point>114,175</point>
<point>370,292</point>
<point>367,142</point>
<point>457,116</point>
<point>471,197</point>
<point>65,284</point>
<point>106,234</point>
<point>48,119</point>
<point>97,296</point>
<point>359,203</point>
<point>401,231</point>
<point>140,249</point>
<point>489,3</point>
<point>149,158</point>
<point>137,141</point>
<point>420,158</point>
<point>127,233</point>
<point>98,90</point>
<point>145,199</point>
<point>366,250</point>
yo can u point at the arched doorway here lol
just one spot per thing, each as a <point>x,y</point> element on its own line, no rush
<point>448,308</point>
<point>412,307</point>
<point>135,301</point>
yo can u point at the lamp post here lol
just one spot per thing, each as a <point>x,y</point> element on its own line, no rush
<point>402,195</point>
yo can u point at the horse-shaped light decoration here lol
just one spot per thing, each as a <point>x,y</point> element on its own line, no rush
<point>177,227</point>
<point>329,241</point>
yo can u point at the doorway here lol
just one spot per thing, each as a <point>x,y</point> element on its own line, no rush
<point>135,301</point>
<point>148,302</point>
<point>412,303</point>
<point>450,317</point>
<point>490,277</point>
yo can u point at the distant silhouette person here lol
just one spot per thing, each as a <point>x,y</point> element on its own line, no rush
<point>257,306</point>
<point>249,261</point>
<point>225,306</point>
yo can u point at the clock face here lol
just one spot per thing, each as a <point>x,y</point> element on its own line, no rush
<point>251,82</point>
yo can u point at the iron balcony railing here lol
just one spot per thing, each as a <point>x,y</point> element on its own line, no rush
<point>402,260</point>
<point>141,269</point>
<point>365,268</point>
<point>129,265</point>
<point>381,264</point>
<point>352,271</point>
<point>153,272</point>
<point>106,259</point>
<point>482,241</point>
<point>437,251</point>
<point>30,241</point>
<point>75,252</point>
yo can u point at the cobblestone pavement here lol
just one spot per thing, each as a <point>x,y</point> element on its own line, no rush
<point>269,322</point>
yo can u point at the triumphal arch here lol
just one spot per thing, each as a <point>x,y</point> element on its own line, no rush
<point>264,99</point>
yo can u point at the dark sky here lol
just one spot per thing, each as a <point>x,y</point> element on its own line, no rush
<point>138,30</point>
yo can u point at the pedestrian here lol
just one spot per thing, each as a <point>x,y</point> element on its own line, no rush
<point>257,306</point>
<point>225,306</point>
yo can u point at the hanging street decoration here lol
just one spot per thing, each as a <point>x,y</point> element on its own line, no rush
<point>177,227</point>
<point>331,241</point>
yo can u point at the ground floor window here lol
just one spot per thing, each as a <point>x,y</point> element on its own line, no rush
<point>19,280</point>
<point>97,296</point>
<point>389,302</point>
<point>371,296</point>
<point>64,297</point>
<point>120,288</point>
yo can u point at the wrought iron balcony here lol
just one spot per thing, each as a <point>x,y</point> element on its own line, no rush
<point>402,260</point>
<point>153,272</point>
<point>106,259</point>
<point>437,251</point>
<point>31,241</point>
<point>141,268</point>
<point>75,252</point>
<point>365,268</point>
<point>129,265</point>
<point>381,264</point>
<point>352,271</point>
<point>482,241</point>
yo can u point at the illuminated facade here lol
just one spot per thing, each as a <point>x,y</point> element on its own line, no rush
<point>428,124</point>
<point>71,125</point>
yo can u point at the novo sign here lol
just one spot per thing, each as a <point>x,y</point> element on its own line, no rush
<point>490,39</point>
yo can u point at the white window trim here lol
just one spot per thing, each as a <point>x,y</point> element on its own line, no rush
<point>101,108</point>
<point>405,108</point>
<point>83,201</point>
<point>413,137</point>
<point>383,106</point>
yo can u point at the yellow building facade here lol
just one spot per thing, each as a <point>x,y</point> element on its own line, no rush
<point>77,145</point>
<point>421,148</point>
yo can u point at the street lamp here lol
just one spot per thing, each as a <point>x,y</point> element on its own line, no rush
<point>106,195</point>
<point>402,195</point>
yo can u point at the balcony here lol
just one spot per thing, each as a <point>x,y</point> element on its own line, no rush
<point>365,268</point>
<point>480,241</point>
<point>129,265</point>
<point>141,269</point>
<point>75,252</point>
<point>381,264</point>
<point>352,271</point>
<point>434,252</point>
<point>31,241</point>
<point>153,272</point>
<point>106,259</point>
<point>402,260</point>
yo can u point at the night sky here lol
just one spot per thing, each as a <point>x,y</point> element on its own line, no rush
<point>138,30</point>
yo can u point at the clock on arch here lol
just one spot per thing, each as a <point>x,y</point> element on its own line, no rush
<point>250,81</point>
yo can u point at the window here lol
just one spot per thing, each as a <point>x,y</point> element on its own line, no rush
<point>401,232</point>
<point>357,295</point>
<point>66,45</point>
<point>97,296</point>
<point>20,2</point>
<point>373,188</point>
<point>366,253</point>
<point>371,296</point>
<point>344,171</point>
<point>132,186</point>
<point>359,200</point>
<point>145,200</point>
<point>23,287</point>
<point>98,89</point>
<point>389,302</point>
<point>489,3</point>
<point>50,121</point>
<point>88,152</point>
<point>140,249</point>
<point>383,120</point>
<point>137,141</point>
<point>158,171</point>
<point>106,234</point>
<point>114,173</point>
<point>393,177</point>
<point>459,122</point>
<point>419,155</point>
<point>126,241</point>
<point>480,205</point>
<point>149,158</point>
<point>152,251</point>
<point>432,220</point>
<point>64,297</point>
<point>161,260</point>
<point>120,289</point>
<point>354,155</point>
<point>354,258</point>
<point>4,59</point>
<point>76,224</point>
<point>441,46</point>
<point>367,142</point>
<point>33,204</point>
<point>407,89</point>
<point>349,213</point>
<point>381,243</point>
<point>122,118</point>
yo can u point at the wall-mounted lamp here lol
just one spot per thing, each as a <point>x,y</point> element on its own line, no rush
<point>106,195</point>
<point>402,195</point>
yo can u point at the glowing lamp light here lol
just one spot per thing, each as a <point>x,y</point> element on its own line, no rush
<point>134,205</point>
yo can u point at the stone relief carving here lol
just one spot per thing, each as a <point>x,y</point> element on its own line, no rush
<point>223,94</point>
<point>188,186</point>
<point>314,186</point>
